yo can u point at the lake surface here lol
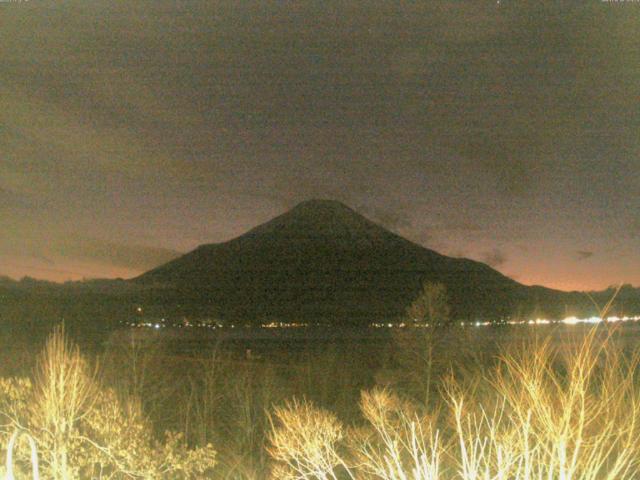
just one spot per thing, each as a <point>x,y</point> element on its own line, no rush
<point>268,342</point>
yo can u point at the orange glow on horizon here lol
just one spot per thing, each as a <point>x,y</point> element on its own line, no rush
<point>63,271</point>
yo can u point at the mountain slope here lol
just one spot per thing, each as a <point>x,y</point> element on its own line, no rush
<point>322,261</point>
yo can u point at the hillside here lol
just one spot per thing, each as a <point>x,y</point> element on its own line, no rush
<point>322,261</point>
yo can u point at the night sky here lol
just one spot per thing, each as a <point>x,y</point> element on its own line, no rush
<point>506,132</point>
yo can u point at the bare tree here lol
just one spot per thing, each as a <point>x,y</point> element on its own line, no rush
<point>431,306</point>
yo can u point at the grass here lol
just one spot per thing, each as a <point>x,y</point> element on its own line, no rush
<point>537,407</point>
<point>541,412</point>
<point>84,429</point>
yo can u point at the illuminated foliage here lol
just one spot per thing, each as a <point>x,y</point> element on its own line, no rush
<point>567,412</point>
<point>85,431</point>
<point>304,440</point>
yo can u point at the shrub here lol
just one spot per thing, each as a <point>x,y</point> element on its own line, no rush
<point>555,412</point>
<point>85,431</point>
<point>305,442</point>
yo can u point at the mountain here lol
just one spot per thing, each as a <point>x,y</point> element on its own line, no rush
<point>322,261</point>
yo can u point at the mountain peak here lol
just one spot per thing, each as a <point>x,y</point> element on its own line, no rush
<point>320,219</point>
<point>323,260</point>
<point>321,204</point>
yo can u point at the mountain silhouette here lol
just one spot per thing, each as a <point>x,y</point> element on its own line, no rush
<point>323,262</point>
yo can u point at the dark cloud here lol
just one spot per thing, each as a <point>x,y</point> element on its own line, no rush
<point>633,230</point>
<point>396,220</point>
<point>13,202</point>
<point>136,257</point>
<point>452,227</point>
<point>44,271</point>
<point>584,254</point>
<point>448,237</point>
<point>6,198</point>
<point>43,259</point>
<point>53,251</point>
<point>459,254</point>
<point>495,258</point>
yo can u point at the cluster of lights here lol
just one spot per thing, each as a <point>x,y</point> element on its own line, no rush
<point>283,325</point>
<point>612,319</point>
<point>178,325</point>
<point>566,321</point>
<point>186,323</point>
<point>538,321</point>
<point>199,325</point>
<point>156,326</point>
<point>394,325</point>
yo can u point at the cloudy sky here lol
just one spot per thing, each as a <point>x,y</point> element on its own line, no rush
<point>507,132</point>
